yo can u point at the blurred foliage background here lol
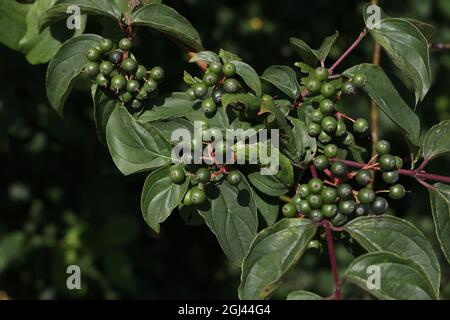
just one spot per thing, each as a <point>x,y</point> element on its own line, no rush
<point>62,201</point>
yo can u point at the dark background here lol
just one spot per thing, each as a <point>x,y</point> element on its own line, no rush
<point>62,201</point>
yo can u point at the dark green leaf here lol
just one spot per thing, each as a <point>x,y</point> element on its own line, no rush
<point>303,295</point>
<point>65,67</point>
<point>207,56</point>
<point>103,107</point>
<point>437,141</point>
<point>250,101</point>
<point>305,145</point>
<point>12,17</point>
<point>249,75</point>
<point>133,147</point>
<point>228,56</point>
<point>160,196</point>
<point>383,92</point>
<point>41,47</point>
<point>394,235</point>
<point>272,254</point>
<point>231,215</point>
<point>175,106</point>
<point>440,207</point>
<point>267,206</point>
<point>284,78</point>
<point>400,278</point>
<point>58,11</point>
<point>169,22</point>
<point>167,127</point>
<point>304,51</point>
<point>324,49</point>
<point>407,47</point>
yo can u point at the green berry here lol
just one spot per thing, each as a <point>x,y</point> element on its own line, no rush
<point>329,195</point>
<point>289,210</point>
<point>200,90</point>
<point>329,210</point>
<point>345,192</point>
<point>397,192</point>
<point>326,106</point>
<point>325,137</point>
<point>383,147</point>
<point>330,150</point>
<point>187,198</point>
<point>321,162</point>
<point>362,210</point>
<point>141,72</point>
<point>191,94</point>
<point>92,69</point>
<point>304,208</point>
<point>150,86</point>
<point>316,116</point>
<point>339,220</point>
<point>126,97</point>
<point>390,177</point>
<point>359,80</point>
<point>296,199</point>
<point>231,86</point>
<point>361,126</point>
<point>129,65</point>
<point>341,129</point>
<point>348,88</point>
<point>328,90</point>
<point>366,196</point>
<point>347,207</point>
<point>203,175</point>
<point>210,79</point>
<point>177,174</point>
<point>363,177</point>
<point>316,215</point>
<point>315,201</point>
<point>339,169</point>
<point>329,124</point>
<point>314,129</point>
<point>315,185</point>
<point>229,69</point>
<point>217,95</point>
<point>349,139</point>
<point>118,82</point>
<point>157,74</point>
<point>209,107</point>
<point>101,80</point>
<point>313,86</point>
<point>304,191</point>
<point>216,67</point>
<point>93,54</point>
<point>125,44</point>
<point>387,162</point>
<point>115,57</point>
<point>106,68</point>
<point>321,74</point>
<point>398,162</point>
<point>380,205</point>
<point>106,45</point>
<point>198,196</point>
<point>133,86</point>
<point>234,178</point>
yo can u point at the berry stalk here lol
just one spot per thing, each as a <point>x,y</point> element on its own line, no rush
<point>420,175</point>
<point>349,50</point>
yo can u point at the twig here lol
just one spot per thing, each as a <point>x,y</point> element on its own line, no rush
<point>349,50</point>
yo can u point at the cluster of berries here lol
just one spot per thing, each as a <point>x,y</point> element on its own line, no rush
<point>337,200</point>
<point>218,78</point>
<point>116,69</point>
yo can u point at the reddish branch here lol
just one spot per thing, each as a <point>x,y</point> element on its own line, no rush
<point>349,50</point>
<point>332,256</point>
<point>419,175</point>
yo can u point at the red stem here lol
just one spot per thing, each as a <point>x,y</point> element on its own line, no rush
<point>333,263</point>
<point>419,175</point>
<point>349,50</point>
<point>313,170</point>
